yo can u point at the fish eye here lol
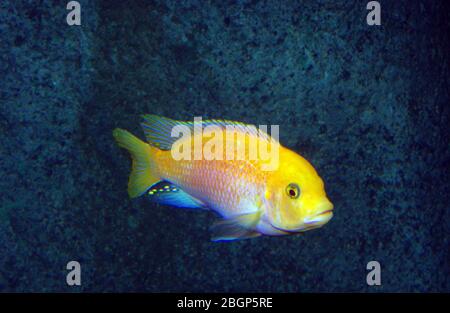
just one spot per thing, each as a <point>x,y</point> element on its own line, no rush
<point>293,191</point>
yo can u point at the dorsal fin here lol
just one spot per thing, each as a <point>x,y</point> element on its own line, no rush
<point>158,129</point>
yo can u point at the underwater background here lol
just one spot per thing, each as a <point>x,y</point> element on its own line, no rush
<point>368,106</point>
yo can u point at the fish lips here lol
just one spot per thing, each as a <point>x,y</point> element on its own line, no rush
<point>321,218</point>
<point>309,223</point>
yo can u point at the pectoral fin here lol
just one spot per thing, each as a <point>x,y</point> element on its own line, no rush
<point>238,227</point>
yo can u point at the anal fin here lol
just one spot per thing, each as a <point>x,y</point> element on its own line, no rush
<point>169,194</point>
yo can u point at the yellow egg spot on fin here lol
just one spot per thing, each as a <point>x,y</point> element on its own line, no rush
<point>267,194</point>
<point>168,194</point>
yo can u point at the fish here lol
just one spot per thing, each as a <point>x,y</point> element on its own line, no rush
<point>249,198</point>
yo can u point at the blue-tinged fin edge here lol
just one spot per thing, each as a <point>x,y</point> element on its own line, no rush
<point>158,129</point>
<point>169,194</point>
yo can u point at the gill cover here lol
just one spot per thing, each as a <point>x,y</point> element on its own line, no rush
<point>292,191</point>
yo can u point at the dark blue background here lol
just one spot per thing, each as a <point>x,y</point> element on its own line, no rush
<point>368,106</point>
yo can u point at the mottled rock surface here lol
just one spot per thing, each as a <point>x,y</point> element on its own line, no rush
<point>368,106</point>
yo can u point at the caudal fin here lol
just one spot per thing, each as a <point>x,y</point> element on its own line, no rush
<point>142,175</point>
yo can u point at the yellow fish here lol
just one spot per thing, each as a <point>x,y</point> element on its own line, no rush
<point>251,200</point>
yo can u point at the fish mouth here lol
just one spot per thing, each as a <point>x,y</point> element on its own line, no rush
<point>321,218</point>
<point>325,209</point>
<point>301,229</point>
<point>325,214</point>
<point>313,222</point>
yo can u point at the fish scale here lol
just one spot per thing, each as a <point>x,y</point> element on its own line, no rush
<point>210,181</point>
